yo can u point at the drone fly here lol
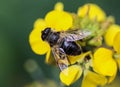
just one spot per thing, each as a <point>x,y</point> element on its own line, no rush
<point>63,44</point>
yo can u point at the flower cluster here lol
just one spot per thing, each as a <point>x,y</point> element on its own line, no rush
<point>100,59</point>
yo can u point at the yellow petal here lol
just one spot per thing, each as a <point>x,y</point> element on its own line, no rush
<point>59,6</point>
<point>111,33</point>
<point>103,54</point>
<point>111,78</point>
<point>118,63</point>
<point>107,69</point>
<point>116,43</point>
<point>74,59</point>
<point>59,20</point>
<point>93,12</point>
<point>36,43</point>
<point>88,84</point>
<point>115,83</point>
<point>103,62</point>
<point>49,58</point>
<point>92,79</point>
<point>40,24</point>
<point>71,74</point>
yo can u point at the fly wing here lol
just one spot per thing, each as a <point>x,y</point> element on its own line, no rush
<point>76,35</point>
<point>60,57</point>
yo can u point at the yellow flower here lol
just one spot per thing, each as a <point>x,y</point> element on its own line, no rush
<point>70,74</point>
<point>104,64</point>
<point>74,72</point>
<point>93,11</point>
<point>36,42</point>
<point>92,79</point>
<point>116,46</point>
<point>111,33</point>
<point>112,38</point>
<point>116,42</point>
<point>57,19</point>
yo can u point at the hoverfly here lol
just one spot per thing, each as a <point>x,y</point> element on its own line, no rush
<point>63,44</point>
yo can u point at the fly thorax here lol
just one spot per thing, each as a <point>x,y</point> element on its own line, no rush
<point>53,38</point>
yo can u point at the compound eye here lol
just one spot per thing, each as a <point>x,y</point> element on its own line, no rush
<point>47,30</point>
<point>45,33</point>
<point>43,37</point>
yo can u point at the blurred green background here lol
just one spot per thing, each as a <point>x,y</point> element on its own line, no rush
<point>17,61</point>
